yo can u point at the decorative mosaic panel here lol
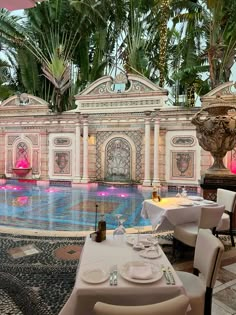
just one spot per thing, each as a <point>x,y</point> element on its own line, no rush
<point>118,156</point>
<point>12,139</point>
<point>182,164</point>
<point>136,136</point>
<point>9,160</point>
<point>22,153</point>
<point>33,138</point>
<point>62,163</point>
<point>35,164</point>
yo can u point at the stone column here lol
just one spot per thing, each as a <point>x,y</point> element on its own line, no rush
<point>77,177</point>
<point>85,178</point>
<point>156,180</point>
<point>147,181</point>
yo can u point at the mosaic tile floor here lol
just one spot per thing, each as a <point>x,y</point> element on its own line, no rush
<point>37,273</point>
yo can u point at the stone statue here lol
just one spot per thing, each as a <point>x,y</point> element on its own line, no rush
<point>117,162</point>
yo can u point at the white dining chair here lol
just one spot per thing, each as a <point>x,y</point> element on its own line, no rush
<point>177,306</point>
<point>207,260</point>
<point>187,233</point>
<point>228,199</point>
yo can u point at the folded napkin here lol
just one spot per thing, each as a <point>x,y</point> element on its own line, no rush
<point>143,272</point>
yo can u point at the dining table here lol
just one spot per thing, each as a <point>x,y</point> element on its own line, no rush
<point>165,214</point>
<point>114,272</point>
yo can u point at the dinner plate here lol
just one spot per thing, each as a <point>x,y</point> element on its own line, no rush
<point>208,202</point>
<point>152,254</point>
<point>132,240</point>
<point>95,275</point>
<point>195,198</point>
<point>185,203</point>
<point>156,272</point>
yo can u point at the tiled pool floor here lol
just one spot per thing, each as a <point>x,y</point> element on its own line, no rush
<point>70,209</point>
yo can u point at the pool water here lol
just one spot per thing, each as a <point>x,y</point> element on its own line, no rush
<point>70,209</point>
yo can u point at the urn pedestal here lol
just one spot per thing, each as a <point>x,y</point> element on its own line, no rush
<point>210,182</point>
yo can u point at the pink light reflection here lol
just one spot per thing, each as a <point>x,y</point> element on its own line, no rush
<point>112,188</point>
<point>103,194</point>
<point>123,195</point>
<point>22,200</point>
<point>52,190</point>
<point>11,187</point>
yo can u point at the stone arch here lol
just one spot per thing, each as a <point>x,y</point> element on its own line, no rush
<point>123,150</point>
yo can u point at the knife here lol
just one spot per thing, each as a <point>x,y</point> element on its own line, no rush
<point>172,279</point>
<point>111,279</point>
<point>166,275</point>
<point>115,281</point>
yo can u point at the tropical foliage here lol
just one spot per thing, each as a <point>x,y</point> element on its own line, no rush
<point>59,47</point>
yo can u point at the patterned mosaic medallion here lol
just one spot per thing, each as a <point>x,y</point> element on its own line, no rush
<point>22,251</point>
<point>70,252</point>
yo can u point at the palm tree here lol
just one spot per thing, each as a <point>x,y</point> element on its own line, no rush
<point>5,90</point>
<point>221,39</point>
<point>165,16</point>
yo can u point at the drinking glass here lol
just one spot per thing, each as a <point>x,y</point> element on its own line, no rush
<point>184,193</point>
<point>154,232</point>
<point>178,193</point>
<point>119,232</point>
<point>138,228</point>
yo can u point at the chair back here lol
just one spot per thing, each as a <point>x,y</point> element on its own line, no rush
<point>207,257</point>
<point>210,217</point>
<point>227,198</point>
<point>177,306</point>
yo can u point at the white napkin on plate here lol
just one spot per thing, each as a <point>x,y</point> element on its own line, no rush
<point>143,272</point>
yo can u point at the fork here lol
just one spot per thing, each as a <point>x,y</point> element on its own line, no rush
<point>165,274</point>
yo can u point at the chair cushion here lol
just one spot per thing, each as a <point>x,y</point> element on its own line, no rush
<point>224,223</point>
<point>187,233</point>
<point>195,290</point>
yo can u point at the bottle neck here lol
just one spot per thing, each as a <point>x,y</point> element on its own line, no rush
<point>102,217</point>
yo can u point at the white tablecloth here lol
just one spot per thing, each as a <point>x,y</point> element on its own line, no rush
<point>169,213</point>
<point>104,255</point>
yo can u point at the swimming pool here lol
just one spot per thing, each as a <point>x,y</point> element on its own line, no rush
<point>70,209</point>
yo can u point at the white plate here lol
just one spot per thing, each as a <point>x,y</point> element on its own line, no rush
<point>195,198</point>
<point>185,203</point>
<point>95,276</point>
<point>156,272</point>
<point>132,240</point>
<point>152,254</point>
<point>208,202</point>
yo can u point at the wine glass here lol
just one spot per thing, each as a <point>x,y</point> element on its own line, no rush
<point>154,232</point>
<point>178,193</point>
<point>184,193</point>
<point>138,228</point>
<point>119,232</point>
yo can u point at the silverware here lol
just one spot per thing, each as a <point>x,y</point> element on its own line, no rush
<point>111,279</point>
<point>113,275</point>
<point>172,279</point>
<point>165,275</point>
<point>115,280</point>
